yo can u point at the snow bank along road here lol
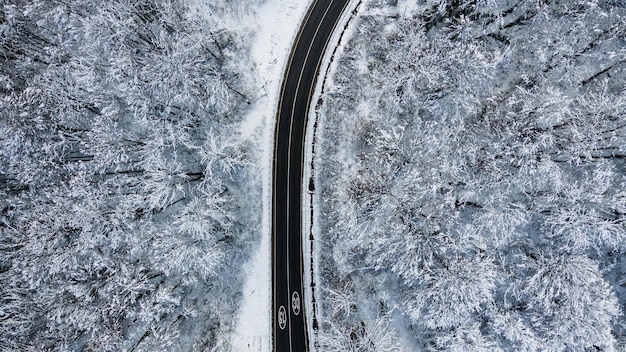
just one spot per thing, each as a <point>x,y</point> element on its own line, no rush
<point>289,323</point>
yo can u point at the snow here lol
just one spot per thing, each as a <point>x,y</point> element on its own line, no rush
<point>278,22</point>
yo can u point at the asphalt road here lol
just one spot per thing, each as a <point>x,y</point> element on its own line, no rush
<point>289,322</point>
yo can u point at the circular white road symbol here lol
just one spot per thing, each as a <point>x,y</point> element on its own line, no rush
<point>282,317</point>
<point>295,303</point>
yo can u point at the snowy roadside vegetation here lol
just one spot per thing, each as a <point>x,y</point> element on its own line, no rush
<point>472,176</point>
<point>128,202</point>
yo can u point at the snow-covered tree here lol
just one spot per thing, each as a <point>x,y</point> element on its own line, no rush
<point>119,228</point>
<point>472,168</point>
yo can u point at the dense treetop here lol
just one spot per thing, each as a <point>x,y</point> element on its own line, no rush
<point>475,190</point>
<point>126,200</point>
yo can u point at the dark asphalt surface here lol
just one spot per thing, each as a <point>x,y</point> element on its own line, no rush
<point>289,329</point>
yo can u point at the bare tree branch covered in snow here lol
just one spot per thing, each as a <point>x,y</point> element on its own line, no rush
<point>127,201</point>
<point>473,176</point>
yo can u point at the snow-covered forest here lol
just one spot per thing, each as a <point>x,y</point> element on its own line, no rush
<point>128,203</point>
<point>472,172</point>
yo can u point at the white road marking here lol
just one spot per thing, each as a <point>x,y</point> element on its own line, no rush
<point>282,317</point>
<point>295,303</point>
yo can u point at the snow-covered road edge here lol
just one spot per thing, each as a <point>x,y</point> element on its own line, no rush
<point>311,251</point>
<point>278,22</point>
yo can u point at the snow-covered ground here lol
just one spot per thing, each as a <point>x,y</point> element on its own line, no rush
<point>277,22</point>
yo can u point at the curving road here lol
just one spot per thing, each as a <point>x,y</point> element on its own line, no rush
<point>289,322</point>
